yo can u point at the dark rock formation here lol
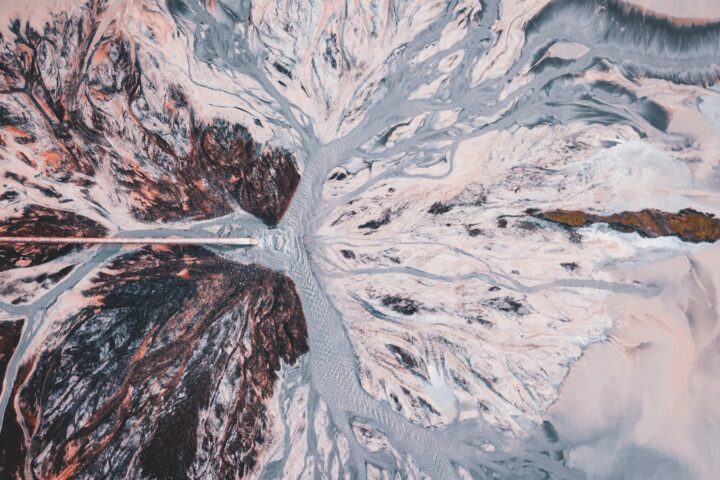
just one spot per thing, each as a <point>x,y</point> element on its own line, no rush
<point>507,305</point>
<point>11,450</point>
<point>10,332</point>
<point>75,102</point>
<point>43,222</point>
<point>375,224</point>
<point>348,254</point>
<point>689,225</point>
<point>406,306</point>
<point>439,208</point>
<point>405,358</point>
<point>163,371</point>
